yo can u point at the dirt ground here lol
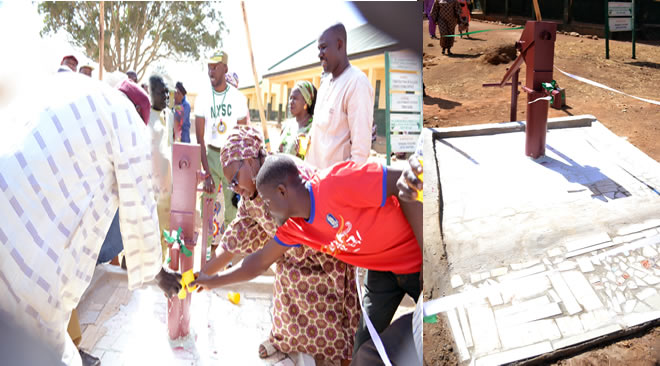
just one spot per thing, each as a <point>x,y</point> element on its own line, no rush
<point>455,97</point>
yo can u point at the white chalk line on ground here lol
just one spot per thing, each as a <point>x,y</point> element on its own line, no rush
<point>591,82</point>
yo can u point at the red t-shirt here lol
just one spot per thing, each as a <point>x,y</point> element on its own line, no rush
<point>353,220</point>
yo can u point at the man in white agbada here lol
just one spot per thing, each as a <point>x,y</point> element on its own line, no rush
<point>76,151</point>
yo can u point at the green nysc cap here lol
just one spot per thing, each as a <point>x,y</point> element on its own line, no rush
<point>218,56</point>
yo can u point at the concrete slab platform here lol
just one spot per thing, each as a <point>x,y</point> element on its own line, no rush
<point>129,328</point>
<point>562,249</point>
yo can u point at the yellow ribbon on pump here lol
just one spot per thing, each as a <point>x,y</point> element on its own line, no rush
<point>186,278</point>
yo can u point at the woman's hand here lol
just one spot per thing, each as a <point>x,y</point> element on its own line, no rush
<point>209,184</point>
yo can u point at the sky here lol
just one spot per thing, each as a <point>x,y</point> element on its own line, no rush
<point>277,28</point>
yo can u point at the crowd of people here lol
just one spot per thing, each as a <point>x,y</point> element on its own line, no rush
<point>81,184</point>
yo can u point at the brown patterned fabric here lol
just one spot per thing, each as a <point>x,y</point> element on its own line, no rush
<point>446,14</point>
<point>316,308</point>
<point>243,142</point>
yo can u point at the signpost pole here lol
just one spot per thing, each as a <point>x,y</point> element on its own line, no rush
<point>607,31</point>
<point>633,28</point>
<point>388,133</point>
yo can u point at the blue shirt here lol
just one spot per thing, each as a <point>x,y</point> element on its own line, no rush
<point>185,128</point>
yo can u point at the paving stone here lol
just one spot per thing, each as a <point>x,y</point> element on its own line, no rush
<point>582,291</point>
<point>495,298</point>
<point>586,241</point>
<point>528,315</point>
<point>515,354</point>
<point>580,338</point>
<point>522,273</point>
<point>465,326</point>
<point>484,329</point>
<point>650,232</point>
<point>614,305</point>
<point>569,325</point>
<point>642,295</point>
<point>653,301</point>
<point>519,266</point>
<point>475,277</point>
<point>632,237</point>
<point>619,297</point>
<point>585,265</point>
<point>519,335</point>
<point>499,271</point>
<point>484,275</point>
<point>642,308</point>
<point>590,249</point>
<point>524,288</point>
<point>554,296</point>
<point>634,319</point>
<point>568,300</point>
<point>652,280</point>
<point>566,266</point>
<point>629,306</point>
<point>457,333</point>
<point>649,252</point>
<point>634,228</point>
<point>555,252</point>
<point>456,281</point>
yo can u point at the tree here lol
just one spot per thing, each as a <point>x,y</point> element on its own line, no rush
<point>136,33</point>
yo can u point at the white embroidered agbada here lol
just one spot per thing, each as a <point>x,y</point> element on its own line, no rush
<point>74,152</point>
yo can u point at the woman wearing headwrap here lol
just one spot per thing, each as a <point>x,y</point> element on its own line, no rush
<point>315,300</point>
<point>446,14</point>
<point>294,138</point>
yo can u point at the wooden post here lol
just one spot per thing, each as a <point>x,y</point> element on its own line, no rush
<point>537,11</point>
<point>264,125</point>
<point>102,40</point>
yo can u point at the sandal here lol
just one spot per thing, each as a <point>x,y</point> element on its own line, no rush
<point>266,349</point>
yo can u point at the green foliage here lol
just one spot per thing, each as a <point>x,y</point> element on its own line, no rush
<point>137,34</point>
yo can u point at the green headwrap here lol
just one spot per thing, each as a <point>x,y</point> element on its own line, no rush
<point>306,90</point>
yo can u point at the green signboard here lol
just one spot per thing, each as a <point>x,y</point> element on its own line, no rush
<point>619,17</point>
<point>403,111</point>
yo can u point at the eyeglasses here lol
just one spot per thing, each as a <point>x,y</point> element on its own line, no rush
<point>234,181</point>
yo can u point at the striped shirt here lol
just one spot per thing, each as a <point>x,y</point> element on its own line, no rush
<point>73,154</point>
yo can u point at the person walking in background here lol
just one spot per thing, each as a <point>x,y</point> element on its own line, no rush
<point>446,14</point>
<point>464,21</point>
<point>294,139</point>
<point>182,112</point>
<point>428,6</point>
<point>344,112</point>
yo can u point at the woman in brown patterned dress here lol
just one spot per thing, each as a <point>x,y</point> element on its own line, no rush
<point>316,309</point>
<point>446,14</point>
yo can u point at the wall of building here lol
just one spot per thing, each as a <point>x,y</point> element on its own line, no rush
<point>276,89</point>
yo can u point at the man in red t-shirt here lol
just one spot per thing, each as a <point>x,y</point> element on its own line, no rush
<point>350,212</point>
